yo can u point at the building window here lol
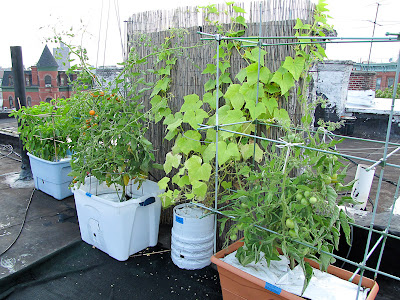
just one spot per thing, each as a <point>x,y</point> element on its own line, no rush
<point>11,101</point>
<point>62,80</point>
<point>29,101</point>
<point>10,80</point>
<point>27,82</point>
<point>390,81</point>
<point>378,83</point>
<point>48,100</point>
<point>47,80</point>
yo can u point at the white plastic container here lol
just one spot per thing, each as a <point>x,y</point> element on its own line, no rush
<point>119,229</point>
<point>51,177</point>
<point>192,240</point>
<point>362,186</point>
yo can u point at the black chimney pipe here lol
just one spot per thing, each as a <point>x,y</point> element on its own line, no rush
<point>20,101</point>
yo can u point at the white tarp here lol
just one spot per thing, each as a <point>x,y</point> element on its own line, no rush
<point>323,286</point>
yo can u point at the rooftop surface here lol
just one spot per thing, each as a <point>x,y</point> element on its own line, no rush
<point>49,260</point>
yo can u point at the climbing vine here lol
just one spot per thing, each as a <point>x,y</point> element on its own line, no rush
<point>194,150</point>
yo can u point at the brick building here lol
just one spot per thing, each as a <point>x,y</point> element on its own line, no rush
<point>362,80</point>
<point>43,82</point>
<point>385,73</point>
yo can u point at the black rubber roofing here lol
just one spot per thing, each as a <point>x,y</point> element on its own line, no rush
<point>47,59</point>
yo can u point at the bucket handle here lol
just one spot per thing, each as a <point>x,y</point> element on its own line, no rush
<point>148,201</point>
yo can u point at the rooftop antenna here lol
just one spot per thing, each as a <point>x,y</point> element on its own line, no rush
<point>373,33</point>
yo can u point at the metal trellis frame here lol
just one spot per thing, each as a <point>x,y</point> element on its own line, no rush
<point>361,267</point>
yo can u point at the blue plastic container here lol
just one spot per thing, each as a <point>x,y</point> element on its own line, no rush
<point>51,177</point>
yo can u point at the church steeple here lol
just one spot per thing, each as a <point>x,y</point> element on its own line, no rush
<point>47,61</point>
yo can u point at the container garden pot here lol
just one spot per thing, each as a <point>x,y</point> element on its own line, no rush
<point>237,284</point>
<point>192,240</point>
<point>51,177</point>
<point>119,229</point>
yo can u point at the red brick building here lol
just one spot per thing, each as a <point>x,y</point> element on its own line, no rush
<point>42,83</point>
<point>362,81</point>
<point>385,73</point>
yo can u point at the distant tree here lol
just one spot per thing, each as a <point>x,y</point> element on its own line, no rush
<point>388,92</point>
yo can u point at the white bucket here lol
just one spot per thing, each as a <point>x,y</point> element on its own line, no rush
<point>119,229</point>
<point>362,186</point>
<point>192,240</point>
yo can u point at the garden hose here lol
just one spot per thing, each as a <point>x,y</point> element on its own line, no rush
<point>22,225</point>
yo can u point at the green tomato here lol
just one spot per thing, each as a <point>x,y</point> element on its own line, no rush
<point>292,233</point>
<point>304,201</point>
<point>244,205</point>
<point>307,194</point>
<point>313,200</point>
<point>327,180</point>
<point>233,237</point>
<point>289,223</point>
<point>299,196</point>
<point>334,178</point>
<point>291,137</point>
<point>305,251</point>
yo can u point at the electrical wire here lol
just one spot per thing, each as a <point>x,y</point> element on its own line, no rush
<point>105,40</point>
<point>11,151</point>
<point>116,6</point>
<point>22,225</point>
<point>98,41</point>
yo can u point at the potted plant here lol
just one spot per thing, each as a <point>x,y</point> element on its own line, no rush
<point>118,207</point>
<point>47,135</point>
<point>289,205</point>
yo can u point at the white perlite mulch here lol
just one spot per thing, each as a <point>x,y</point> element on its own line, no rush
<point>323,286</point>
<point>12,179</point>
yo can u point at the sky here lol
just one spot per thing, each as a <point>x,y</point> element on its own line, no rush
<point>28,23</point>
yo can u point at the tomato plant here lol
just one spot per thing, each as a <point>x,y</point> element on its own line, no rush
<point>111,145</point>
<point>287,195</point>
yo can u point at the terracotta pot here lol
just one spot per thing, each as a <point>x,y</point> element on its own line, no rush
<point>237,284</point>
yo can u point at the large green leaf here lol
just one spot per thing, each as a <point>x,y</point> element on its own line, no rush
<point>345,225</point>
<point>247,151</point>
<point>210,98</point>
<point>224,78</point>
<point>294,66</point>
<point>250,91</point>
<point>255,110</point>
<point>199,189</point>
<point>234,97</point>
<point>192,102</point>
<point>254,53</point>
<point>161,85</point>
<point>210,69</point>
<point>209,152</point>
<point>271,104</point>
<point>227,152</point>
<point>284,79</point>
<point>194,118</point>
<point>162,184</point>
<point>252,74</point>
<point>282,116</point>
<point>171,160</point>
<point>241,75</point>
<point>210,84</point>
<point>189,142</point>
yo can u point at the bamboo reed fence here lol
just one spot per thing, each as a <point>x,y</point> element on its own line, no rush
<point>278,19</point>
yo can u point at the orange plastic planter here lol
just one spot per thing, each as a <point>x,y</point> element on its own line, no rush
<point>237,284</point>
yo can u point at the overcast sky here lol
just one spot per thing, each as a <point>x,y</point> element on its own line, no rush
<point>27,23</point>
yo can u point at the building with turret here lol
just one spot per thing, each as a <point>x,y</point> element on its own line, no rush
<point>43,82</point>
